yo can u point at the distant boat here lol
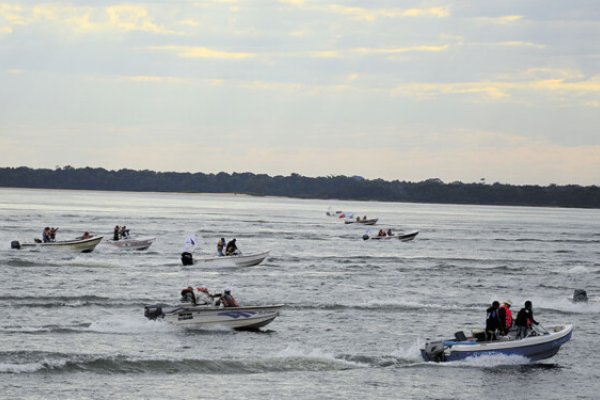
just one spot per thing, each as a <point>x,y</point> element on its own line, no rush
<point>80,245</point>
<point>241,260</point>
<point>404,237</point>
<point>201,316</point>
<point>371,221</point>
<point>132,243</point>
<point>543,344</point>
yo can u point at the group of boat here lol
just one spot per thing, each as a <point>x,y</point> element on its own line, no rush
<point>539,344</point>
<point>349,219</point>
<point>85,245</point>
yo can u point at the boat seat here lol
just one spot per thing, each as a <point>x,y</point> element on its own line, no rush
<point>460,336</point>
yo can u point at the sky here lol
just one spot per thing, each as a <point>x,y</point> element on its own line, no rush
<point>506,91</point>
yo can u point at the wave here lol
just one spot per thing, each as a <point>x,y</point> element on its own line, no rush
<point>286,360</point>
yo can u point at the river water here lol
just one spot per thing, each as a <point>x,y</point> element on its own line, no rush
<point>72,325</point>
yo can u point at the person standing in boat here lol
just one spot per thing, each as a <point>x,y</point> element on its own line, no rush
<point>231,249</point>
<point>505,317</point>
<point>46,235</point>
<point>524,320</point>
<point>492,322</point>
<point>124,232</point>
<point>221,247</point>
<point>52,234</point>
<point>116,232</point>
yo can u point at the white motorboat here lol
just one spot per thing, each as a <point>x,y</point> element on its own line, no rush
<point>132,243</point>
<point>80,245</point>
<point>203,316</point>
<point>240,260</point>
<point>404,237</point>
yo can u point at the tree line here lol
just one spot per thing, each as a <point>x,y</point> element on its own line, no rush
<point>295,185</point>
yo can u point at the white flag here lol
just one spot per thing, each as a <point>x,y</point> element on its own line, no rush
<point>190,243</point>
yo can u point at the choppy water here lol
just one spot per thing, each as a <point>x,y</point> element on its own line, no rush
<point>72,325</point>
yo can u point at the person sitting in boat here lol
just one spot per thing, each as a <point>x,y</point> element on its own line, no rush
<point>86,235</point>
<point>524,320</point>
<point>389,232</point>
<point>221,247</point>
<point>227,299</point>
<point>46,235</point>
<point>381,233</point>
<point>116,232</point>
<point>231,249</point>
<point>188,296</point>
<point>204,297</point>
<point>52,234</point>
<point>492,322</point>
<point>364,218</point>
<point>505,317</point>
<point>124,232</point>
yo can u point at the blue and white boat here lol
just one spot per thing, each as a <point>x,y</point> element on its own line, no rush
<point>539,345</point>
<point>209,316</point>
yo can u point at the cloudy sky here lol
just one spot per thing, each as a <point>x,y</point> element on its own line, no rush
<point>503,90</point>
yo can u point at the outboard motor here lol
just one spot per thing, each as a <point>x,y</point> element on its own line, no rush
<point>434,351</point>
<point>186,258</point>
<point>153,312</point>
<point>580,295</point>
<point>365,237</point>
<point>15,244</point>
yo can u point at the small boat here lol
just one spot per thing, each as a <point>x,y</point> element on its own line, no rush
<point>404,237</point>
<point>542,344</point>
<point>132,243</point>
<point>241,260</point>
<point>371,221</point>
<point>203,316</point>
<point>81,245</point>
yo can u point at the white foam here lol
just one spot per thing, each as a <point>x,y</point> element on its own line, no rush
<point>128,324</point>
<point>314,354</point>
<point>494,360</point>
<point>410,353</point>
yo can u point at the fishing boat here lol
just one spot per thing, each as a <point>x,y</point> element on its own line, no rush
<point>540,344</point>
<point>371,221</point>
<point>203,316</point>
<point>404,237</point>
<point>240,260</point>
<point>81,245</point>
<point>132,243</point>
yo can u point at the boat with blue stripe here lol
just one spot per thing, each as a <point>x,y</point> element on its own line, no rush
<point>540,344</point>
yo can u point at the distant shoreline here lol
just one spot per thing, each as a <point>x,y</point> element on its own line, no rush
<point>340,188</point>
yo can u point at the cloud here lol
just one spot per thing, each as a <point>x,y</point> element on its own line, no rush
<point>503,20</point>
<point>122,17</point>
<point>398,50</point>
<point>153,79</point>
<point>203,52</point>
<point>370,14</point>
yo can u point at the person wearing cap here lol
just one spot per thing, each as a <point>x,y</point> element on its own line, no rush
<point>524,320</point>
<point>228,300</point>
<point>505,317</point>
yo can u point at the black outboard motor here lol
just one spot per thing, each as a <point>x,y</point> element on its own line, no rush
<point>580,295</point>
<point>153,312</point>
<point>365,237</point>
<point>186,258</point>
<point>15,244</point>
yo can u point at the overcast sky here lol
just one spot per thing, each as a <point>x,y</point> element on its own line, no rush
<point>503,90</point>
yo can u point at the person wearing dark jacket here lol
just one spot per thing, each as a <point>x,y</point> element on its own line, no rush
<point>492,322</point>
<point>231,249</point>
<point>524,320</point>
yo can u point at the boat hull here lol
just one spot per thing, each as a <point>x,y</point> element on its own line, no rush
<point>404,237</point>
<point>78,245</point>
<point>132,244</point>
<point>199,317</point>
<point>232,261</point>
<point>367,222</point>
<point>534,348</point>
